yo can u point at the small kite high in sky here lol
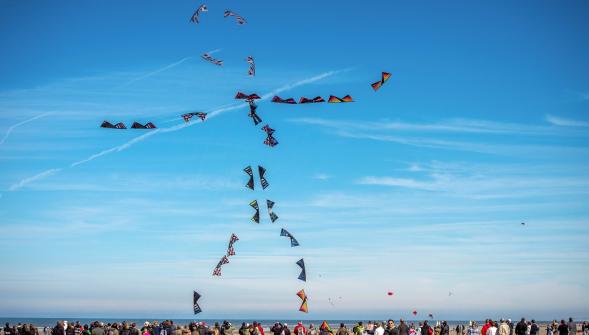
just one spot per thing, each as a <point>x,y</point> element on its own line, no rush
<point>270,140</point>
<point>210,59</point>
<point>333,99</point>
<point>189,116</point>
<point>148,125</point>
<point>293,241</point>
<point>256,216</point>
<point>196,307</point>
<point>317,99</point>
<point>414,312</point>
<point>238,18</point>
<point>250,182</point>
<point>107,124</point>
<point>303,275</point>
<point>252,69</point>
<point>263,181</point>
<point>230,250</point>
<point>201,8</point>
<point>279,100</point>
<point>385,76</point>
<point>431,316</point>
<point>304,308</point>
<point>273,216</point>
<point>390,293</point>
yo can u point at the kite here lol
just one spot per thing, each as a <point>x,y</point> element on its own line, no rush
<point>250,183</point>
<point>194,17</point>
<point>223,261</point>
<point>293,241</point>
<point>239,19</point>
<point>334,99</point>
<point>414,312</point>
<point>253,96</point>
<point>303,275</point>
<point>330,302</point>
<point>390,293</point>
<point>450,294</point>
<point>107,124</point>
<point>255,117</point>
<point>252,69</point>
<point>195,305</point>
<point>273,216</point>
<point>270,140</point>
<point>256,217</point>
<point>208,58</point>
<point>431,316</point>
<point>304,308</point>
<point>230,250</point>
<point>189,116</point>
<point>279,100</point>
<point>302,294</point>
<point>523,223</point>
<point>148,125</point>
<point>325,327</point>
<point>384,78</point>
<point>304,100</point>
<point>263,180</point>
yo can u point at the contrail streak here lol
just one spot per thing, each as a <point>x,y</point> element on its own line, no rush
<point>29,180</point>
<point>20,124</point>
<point>167,67</point>
<point>210,114</point>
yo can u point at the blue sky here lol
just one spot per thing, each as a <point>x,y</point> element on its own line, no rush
<point>419,188</point>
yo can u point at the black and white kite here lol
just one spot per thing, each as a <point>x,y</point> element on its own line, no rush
<point>250,183</point>
<point>293,241</point>
<point>273,216</point>
<point>263,181</point>
<point>256,217</point>
<point>195,298</point>
<point>107,124</point>
<point>210,59</point>
<point>238,18</point>
<point>252,69</point>
<point>189,116</point>
<point>148,125</point>
<point>201,8</point>
<point>303,275</point>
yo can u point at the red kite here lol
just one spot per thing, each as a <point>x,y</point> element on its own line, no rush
<point>384,78</point>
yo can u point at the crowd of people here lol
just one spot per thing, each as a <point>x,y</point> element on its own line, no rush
<point>167,327</point>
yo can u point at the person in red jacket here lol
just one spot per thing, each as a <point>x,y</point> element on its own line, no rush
<point>299,329</point>
<point>485,327</point>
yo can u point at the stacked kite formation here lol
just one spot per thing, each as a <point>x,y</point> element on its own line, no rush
<point>304,308</point>
<point>225,259</point>
<point>332,99</point>
<point>120,125</point>
<point>270,141</point>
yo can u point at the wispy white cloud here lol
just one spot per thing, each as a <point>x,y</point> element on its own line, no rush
<point>29,180</point>
<point>321,176</point>
<point>560,121</point>
<point>13,127</point>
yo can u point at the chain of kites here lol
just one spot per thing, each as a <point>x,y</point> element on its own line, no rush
<point>270,141</point>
